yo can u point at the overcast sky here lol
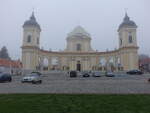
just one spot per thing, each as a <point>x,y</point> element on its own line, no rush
<point>57,18</point>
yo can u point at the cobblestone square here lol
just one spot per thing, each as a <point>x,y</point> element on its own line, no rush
<point>62,83</point>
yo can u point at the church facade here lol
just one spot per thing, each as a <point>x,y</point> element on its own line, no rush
<point>79,54</point>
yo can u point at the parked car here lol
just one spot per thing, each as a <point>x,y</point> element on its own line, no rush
<point>90,73</point>
<point>85,74</point>
<point>135,72</point>
<point>5,77</point>
<point>96,74</point>
<point>32,78</point>
<point>73,74</point>
<point>79,74</point>
<point>109,74</point>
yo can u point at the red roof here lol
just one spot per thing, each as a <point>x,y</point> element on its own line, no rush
<point>10,63</point>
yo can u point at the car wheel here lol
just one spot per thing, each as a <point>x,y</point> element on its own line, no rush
<point>10,80</point>
<point>33,82</point>
<point>40,81</point>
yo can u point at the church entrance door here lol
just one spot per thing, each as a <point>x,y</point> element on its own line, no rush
<point>78,66</point>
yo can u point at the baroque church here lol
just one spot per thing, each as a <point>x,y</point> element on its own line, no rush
<point>78,54</point>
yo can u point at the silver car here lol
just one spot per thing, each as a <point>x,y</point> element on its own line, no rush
<point>32,78</point>
<point>96,74</point>
<point>110,74</point>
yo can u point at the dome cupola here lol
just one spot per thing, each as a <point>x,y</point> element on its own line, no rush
<point>127,22</point>
<point>31,22</point>
<point>78,31</point>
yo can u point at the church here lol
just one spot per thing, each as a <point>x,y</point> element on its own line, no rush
<point>78,54</point>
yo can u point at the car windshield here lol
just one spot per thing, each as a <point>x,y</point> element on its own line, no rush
<point>4,74</point>
<point>1,74</point>
<point>36,73</point>
<point>31,75</point>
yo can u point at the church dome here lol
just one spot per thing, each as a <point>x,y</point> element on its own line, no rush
<point>78,31</point>
<point>127,22</point>
<point>31,22</point>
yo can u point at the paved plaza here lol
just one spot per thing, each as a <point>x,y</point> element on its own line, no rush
<point>62,83</point>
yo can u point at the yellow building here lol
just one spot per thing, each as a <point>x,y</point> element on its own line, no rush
<point>79,54</point>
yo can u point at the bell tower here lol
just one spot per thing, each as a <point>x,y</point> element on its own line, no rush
<point>128,44</point>
<point>127,33</point>
<point>31,43</point>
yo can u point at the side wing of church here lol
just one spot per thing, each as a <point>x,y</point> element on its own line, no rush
<point>79,54</point>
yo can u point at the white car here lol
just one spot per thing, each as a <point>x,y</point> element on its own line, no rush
<point>33,78</point>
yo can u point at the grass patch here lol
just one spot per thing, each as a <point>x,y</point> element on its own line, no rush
<point>67,103</point>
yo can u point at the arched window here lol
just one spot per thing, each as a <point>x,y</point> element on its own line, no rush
<point>102,61</point>
<point>38,40</point>
<point>78,62</point>
<point>54,61</point>
<point>120,41</point>
<point>78,47</point>
<point>45,64</point>
<point>130,38</point>
<point>29,38</point>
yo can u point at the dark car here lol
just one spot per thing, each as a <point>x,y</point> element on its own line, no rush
<point>135,72</point>
<point>73,74</point>
<point>86,74</point>
<point>5,77</point>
